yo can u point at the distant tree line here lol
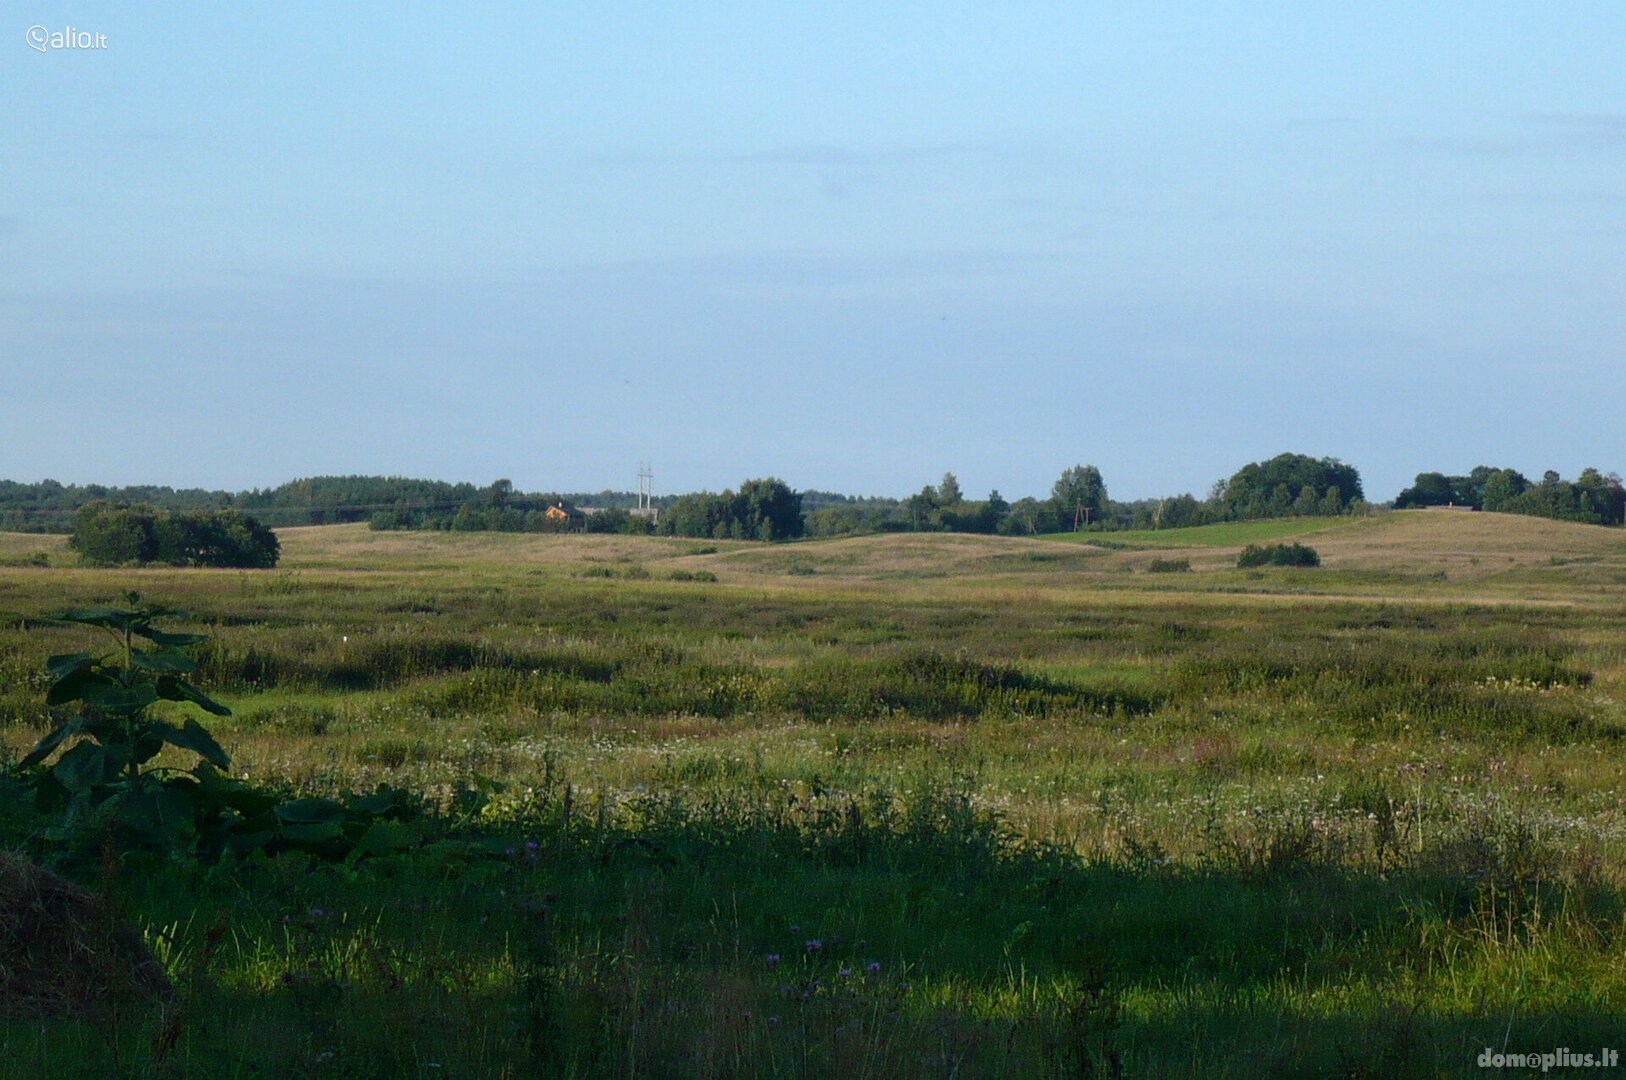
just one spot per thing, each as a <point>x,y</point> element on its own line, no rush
<point>391,501</point>
<point>501,508</point>
<point>49,507</point>
<point>1288,485</point>
<point>764,509</point>
<point>1592,497</point>
<point>116,534</point>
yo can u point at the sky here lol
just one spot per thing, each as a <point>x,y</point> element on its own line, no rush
<point>850,245</point>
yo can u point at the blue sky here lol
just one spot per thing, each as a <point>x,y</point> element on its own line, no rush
<point>850,245</point>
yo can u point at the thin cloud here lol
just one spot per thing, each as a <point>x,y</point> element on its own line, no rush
<point>1591,129</point>
<point>1464,147</point>
<point>828,156</point>
<point>1319,122</point>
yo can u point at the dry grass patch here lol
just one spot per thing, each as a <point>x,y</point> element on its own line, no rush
<point>62,953</point>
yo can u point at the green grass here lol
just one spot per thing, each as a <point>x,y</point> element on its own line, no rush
<point>1071,813</point>
<point>1228,534</point>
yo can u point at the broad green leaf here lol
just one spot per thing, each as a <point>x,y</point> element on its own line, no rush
<point>234,794</point>
<point>159,637</point>
<point>312,834</point>
<point>172,689</point>
<point>120,699</point>
<point>113,618</point>
<point>76,685</point>
<point>67,663</point>
<point>165,659</point>
<point>43,748</point>
<point>259,823</point>
<point>149,744</point>
<point>194,738</point>
<point>87,765</point>
<point>385,837</point>
<point>241,843</point>
<point>310,811</point>
<point>379,803</point>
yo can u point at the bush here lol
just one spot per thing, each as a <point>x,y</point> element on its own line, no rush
<point>1294,554</point>
<point>115,534</point>
<point>1169,566</point>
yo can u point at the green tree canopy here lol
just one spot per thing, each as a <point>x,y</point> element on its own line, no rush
<point>764,509</point>
<point>1276,488</point>
<point>1078,495</point>
<point>115,534</point>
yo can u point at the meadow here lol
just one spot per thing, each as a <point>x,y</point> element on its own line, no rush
<point>888,806</point>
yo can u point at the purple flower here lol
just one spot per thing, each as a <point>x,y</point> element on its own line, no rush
<point>773,1021</point>
<point>530,845</point>
<point>814,944</point>
<point>773,958</point>
<point>874,967</point>
<point>845,972</point>
<point>317,913</point>
<point>796,929</point>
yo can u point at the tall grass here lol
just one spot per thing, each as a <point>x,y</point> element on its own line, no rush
<point>1164,832</point>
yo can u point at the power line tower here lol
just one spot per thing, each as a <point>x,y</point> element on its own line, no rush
<point>646,486</point>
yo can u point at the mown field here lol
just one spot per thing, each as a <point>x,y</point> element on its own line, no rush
<point>900,806</point>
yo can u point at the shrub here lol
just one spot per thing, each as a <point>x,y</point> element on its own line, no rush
<point>113,534</point>
<point>1294,554</point>
<point>1169,566</point>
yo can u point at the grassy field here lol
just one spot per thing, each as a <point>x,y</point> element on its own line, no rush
<point>893,806</point>
<point>1228,534</point>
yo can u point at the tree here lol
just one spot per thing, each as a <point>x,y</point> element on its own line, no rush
<point>763,510</point>
<point>769,510</point>
<point>1501,487</point>
<point>1077,496</point>
<point>1029,516</point>
<point>1437,489</point>
<point>948,492</point>
<point>1179,512</point>
<point>920,507</point>
<point>109,534</point>
<point>112,534</point>
<point>1272,488</point>
<point>994,512</point>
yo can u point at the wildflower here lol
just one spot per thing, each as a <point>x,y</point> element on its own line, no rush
<point>845,972</point>
<point>874,967</point>
<point>317,913</point>
<point>773,958</point>
<point>814,944</point>
<point>773,1021</point>
<point>795,929</point>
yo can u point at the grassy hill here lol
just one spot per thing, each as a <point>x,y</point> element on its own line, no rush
<point>831,807</point>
